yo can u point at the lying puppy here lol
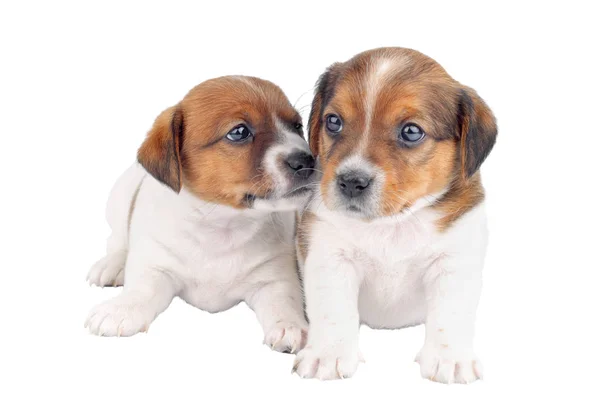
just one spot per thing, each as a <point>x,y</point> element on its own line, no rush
<point>396,234</point>
<point>209,214</point>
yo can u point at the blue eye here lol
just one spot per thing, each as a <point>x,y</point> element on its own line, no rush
<point>411,133</point>
<point>333,123</point>
<point>239,133</point>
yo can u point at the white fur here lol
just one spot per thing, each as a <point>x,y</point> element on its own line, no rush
<point>212,256</point>
<point>379,71</point>
<point>374,81</point>
<point>393,272</point>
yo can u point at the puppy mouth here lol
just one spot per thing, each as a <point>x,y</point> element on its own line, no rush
<point>298,191</point>
<point>356,211</point>
<point>354,208</point>
<point>249,199</point>
<point>295,191</point>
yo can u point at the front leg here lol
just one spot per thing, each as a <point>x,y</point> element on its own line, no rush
<point>147,293</point>
<point>276,298</point>
<point>331,286</point>
<point>452,289</point>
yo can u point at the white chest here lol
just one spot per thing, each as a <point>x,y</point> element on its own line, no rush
<point>219,266</point>
<point>391,257</point>
<point>211,251</point>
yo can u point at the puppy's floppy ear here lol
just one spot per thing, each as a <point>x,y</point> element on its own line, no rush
<point>323,93</point>
<point>477,131</point>
<point>160,154</point>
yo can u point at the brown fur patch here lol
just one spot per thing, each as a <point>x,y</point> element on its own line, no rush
<point>212,167</point>
<point>462,197</point>
<point>160,152</point>
<point>477,131</point>
<point>379,91</point>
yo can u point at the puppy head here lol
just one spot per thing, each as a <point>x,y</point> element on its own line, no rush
<point>390,126</point>
<point>232,140</point>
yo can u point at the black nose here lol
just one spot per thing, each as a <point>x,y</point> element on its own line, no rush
<point>301,164</point>
<point>353,184</point>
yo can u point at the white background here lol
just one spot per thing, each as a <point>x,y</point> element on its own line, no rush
<point>79,87</point>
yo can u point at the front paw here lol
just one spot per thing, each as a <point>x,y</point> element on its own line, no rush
<point>443,364</point>
<point>122,316</point>
<point>286,337</point>
<point>327,363</point>
<point>108,271</point>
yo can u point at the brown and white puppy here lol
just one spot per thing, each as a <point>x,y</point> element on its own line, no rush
<point>208,213</point>
<point>396,234</point>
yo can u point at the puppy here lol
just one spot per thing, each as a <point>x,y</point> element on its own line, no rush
<point>208,213</point>
<point>396,234</point>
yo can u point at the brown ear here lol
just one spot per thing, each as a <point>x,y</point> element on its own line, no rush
<point>477,131</point>
<point>160,152</point>
<point>323,93</point>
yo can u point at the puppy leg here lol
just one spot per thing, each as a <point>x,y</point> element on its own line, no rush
<point>108,271</point>
<point>331,291</point>
<point>452,299</point>
<point>277,302</point>
<point>142,299</point>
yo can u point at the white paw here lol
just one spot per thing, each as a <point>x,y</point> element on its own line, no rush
<point>122,316</point>
<point>442,364</point>
<point>108,271</point>
<point>286,337</point>
<point>327,363</point>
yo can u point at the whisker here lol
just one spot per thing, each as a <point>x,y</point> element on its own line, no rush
<point>302,96</point>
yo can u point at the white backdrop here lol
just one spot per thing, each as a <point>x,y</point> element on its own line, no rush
<point>80,84</point>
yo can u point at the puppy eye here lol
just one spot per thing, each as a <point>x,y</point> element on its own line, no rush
<point>411,133</point>
<point>239,133</point>
<point>333,123</point>
<point>299,128</point>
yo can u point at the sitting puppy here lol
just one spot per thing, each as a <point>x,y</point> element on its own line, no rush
<point>209,214</point>
<point>396,234</point>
